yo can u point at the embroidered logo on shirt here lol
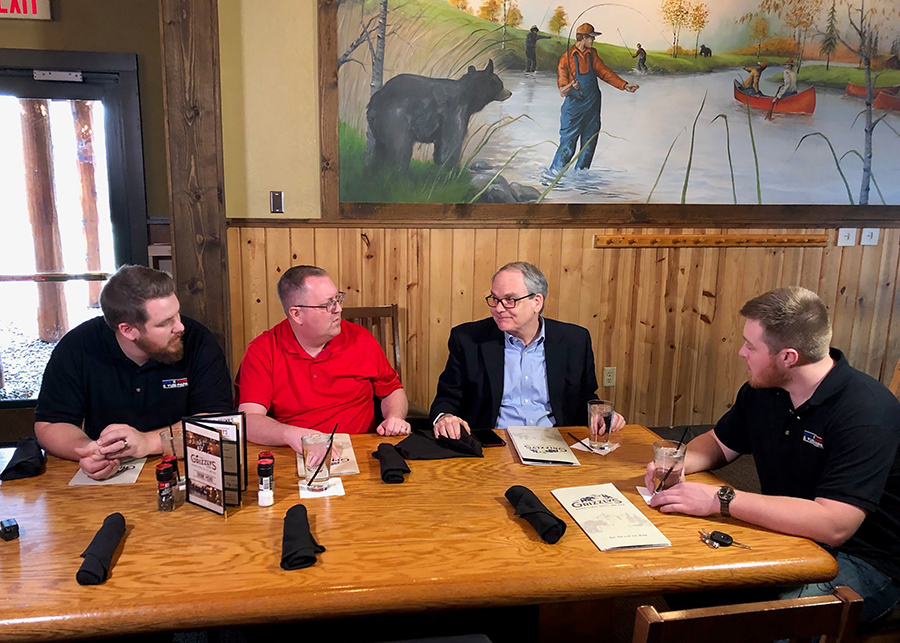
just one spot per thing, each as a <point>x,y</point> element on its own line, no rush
<point>181,382</point>
<point>813,439</point>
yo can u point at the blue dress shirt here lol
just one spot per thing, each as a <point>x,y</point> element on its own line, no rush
<point>526,397</point>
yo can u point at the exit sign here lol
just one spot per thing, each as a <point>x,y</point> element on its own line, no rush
<point>25,9</point>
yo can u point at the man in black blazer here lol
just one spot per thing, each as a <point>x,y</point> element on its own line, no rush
<point>516,368</point>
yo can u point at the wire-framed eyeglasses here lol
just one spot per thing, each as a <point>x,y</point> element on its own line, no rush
<point>507,302</point>
<point>331,305</point>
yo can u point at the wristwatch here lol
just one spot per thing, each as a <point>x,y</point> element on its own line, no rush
<point>726,495</point>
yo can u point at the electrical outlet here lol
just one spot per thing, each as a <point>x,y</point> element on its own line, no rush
<point>846,237</point>
<point>869,237</point>
<point>609,376</point>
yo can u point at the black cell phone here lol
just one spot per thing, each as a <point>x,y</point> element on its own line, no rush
<point>488,438</point>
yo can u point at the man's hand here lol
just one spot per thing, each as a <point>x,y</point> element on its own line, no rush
<point>393,426</point>
<point>95,464</point>
<point>618,423</point>
<point>120,440</point>
<point>631,87</point>
<point>568,89</point>
<point>691,498</point>
<point>450,426</point>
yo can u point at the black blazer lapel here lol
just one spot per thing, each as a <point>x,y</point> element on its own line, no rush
<point>555,359</point>
<point>492,355</point>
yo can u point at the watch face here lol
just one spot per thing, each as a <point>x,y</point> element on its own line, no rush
<point>726,493</point>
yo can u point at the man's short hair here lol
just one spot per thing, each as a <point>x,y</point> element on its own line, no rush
<point>124,296</point>
<point>792,317</point>
<point>293,281</point>
<point>535,281</point>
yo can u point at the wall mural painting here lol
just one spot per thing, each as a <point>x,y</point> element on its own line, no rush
<point>731,102</point>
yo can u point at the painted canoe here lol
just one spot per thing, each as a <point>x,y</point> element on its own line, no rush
<point>860,90</point>
<point>802,103</point>
<point>886,101</point>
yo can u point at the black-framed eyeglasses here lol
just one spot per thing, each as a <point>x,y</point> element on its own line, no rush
<point>508,302</point>
<point>331,305</point>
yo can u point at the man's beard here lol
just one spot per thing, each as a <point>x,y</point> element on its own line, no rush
<point>169,354</point>
<point>770,377</point>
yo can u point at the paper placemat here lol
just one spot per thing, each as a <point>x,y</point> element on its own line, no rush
<point>335,488</point>
<point>128,474</point>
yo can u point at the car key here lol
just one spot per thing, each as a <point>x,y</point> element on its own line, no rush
<point>726,540</point>
<point>704,537</point>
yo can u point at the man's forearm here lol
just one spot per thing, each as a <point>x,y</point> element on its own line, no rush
<point>262,429</point>
<point>814,519</point>
<point>61,438</point>
<point>704,454</point>
<point>395,405</point>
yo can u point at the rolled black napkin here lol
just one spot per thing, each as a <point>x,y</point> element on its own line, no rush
<point>393,466</point>
<point>298,547</point>
<point>98,555</point>
<point>527,505</point>
<point>421,445</point>
<point>27,461</point>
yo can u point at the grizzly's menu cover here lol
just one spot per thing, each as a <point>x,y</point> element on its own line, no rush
<point>204,466</point>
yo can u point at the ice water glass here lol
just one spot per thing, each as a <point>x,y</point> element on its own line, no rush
<point>668,462</point>
<point>600,417</point>
<point>316,452</point>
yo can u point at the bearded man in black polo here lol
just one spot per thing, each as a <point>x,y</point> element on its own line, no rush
<point>113,383</point>
<point>825,440</point>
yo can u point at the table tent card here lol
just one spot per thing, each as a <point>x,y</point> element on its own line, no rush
<point>203,466</point>
<point>541,445</point>
<point>231,426</point>
<point>343,458</point>
<point>609,519</point>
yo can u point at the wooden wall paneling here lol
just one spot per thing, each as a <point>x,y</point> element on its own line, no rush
<point>623,345</point>
<point>647,284</point>
<point>530,246</point>
<point>675,392</point>
<point>548,262</point>
<point>588,303</point>
<point>705,368</point>
<point>507,247</point>
<point>235,285</point>
<point>328,253</point>
<point>568,289</point>
<point>303,247</point>
<point>659,384</point>
<point>372,265</point>
<point>253,276</point>
<point>729,328</point>
<point>278,260</point>
<point>845,301</point>
<point>416,348</point>
<point>604,340</point>
<point>485,260</point>
<point>461,283</point>
<point>827,288</point>
<point>811,268</point>
<point>878,362</point>
<point>350,270</point>
<point>892,354</point>
<point>440,312</point>
<point>864,315</point>
<point>395,284</point>
<point>189,38</point>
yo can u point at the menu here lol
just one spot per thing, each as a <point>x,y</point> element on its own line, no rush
<point>541,445</point>
<point>203,467</point>
<point>609,519</point>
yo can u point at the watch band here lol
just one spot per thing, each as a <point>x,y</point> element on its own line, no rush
<point>726,495</point>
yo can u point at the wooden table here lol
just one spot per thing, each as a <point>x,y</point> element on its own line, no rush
<point>446,538</point>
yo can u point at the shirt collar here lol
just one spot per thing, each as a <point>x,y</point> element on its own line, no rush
<point>515,341</point>
<point>112,345</point>
<point>834,382</point>
<point>285,338</point>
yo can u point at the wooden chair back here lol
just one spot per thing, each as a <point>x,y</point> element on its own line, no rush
<point>833,617</point>
<point>375,319</point>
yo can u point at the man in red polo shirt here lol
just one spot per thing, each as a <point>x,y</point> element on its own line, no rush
<point>314,369</point>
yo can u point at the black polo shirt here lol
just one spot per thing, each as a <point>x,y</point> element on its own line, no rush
<point>90,382</point>
<point>841,444</point>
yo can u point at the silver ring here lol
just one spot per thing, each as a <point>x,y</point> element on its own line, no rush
<point>125,444</point>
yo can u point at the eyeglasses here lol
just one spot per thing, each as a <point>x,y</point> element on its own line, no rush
<point>331,305</point>
<point>508,302</point>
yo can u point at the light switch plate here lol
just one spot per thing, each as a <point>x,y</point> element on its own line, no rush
<point>869,237</point>
<point>276,202</point>
<point>846,237</point>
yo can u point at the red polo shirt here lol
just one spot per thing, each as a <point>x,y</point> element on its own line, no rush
<point>337,385</point>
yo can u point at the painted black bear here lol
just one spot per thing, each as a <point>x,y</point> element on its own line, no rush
<point>705,51</point>
<point>411,109</point>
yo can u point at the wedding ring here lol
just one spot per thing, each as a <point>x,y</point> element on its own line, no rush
<point>124,444</point>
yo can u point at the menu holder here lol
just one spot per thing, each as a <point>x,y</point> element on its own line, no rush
<point>542,445</point>
<point>609,519</point>
<point>203,464</point>
<point>232,429</point>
